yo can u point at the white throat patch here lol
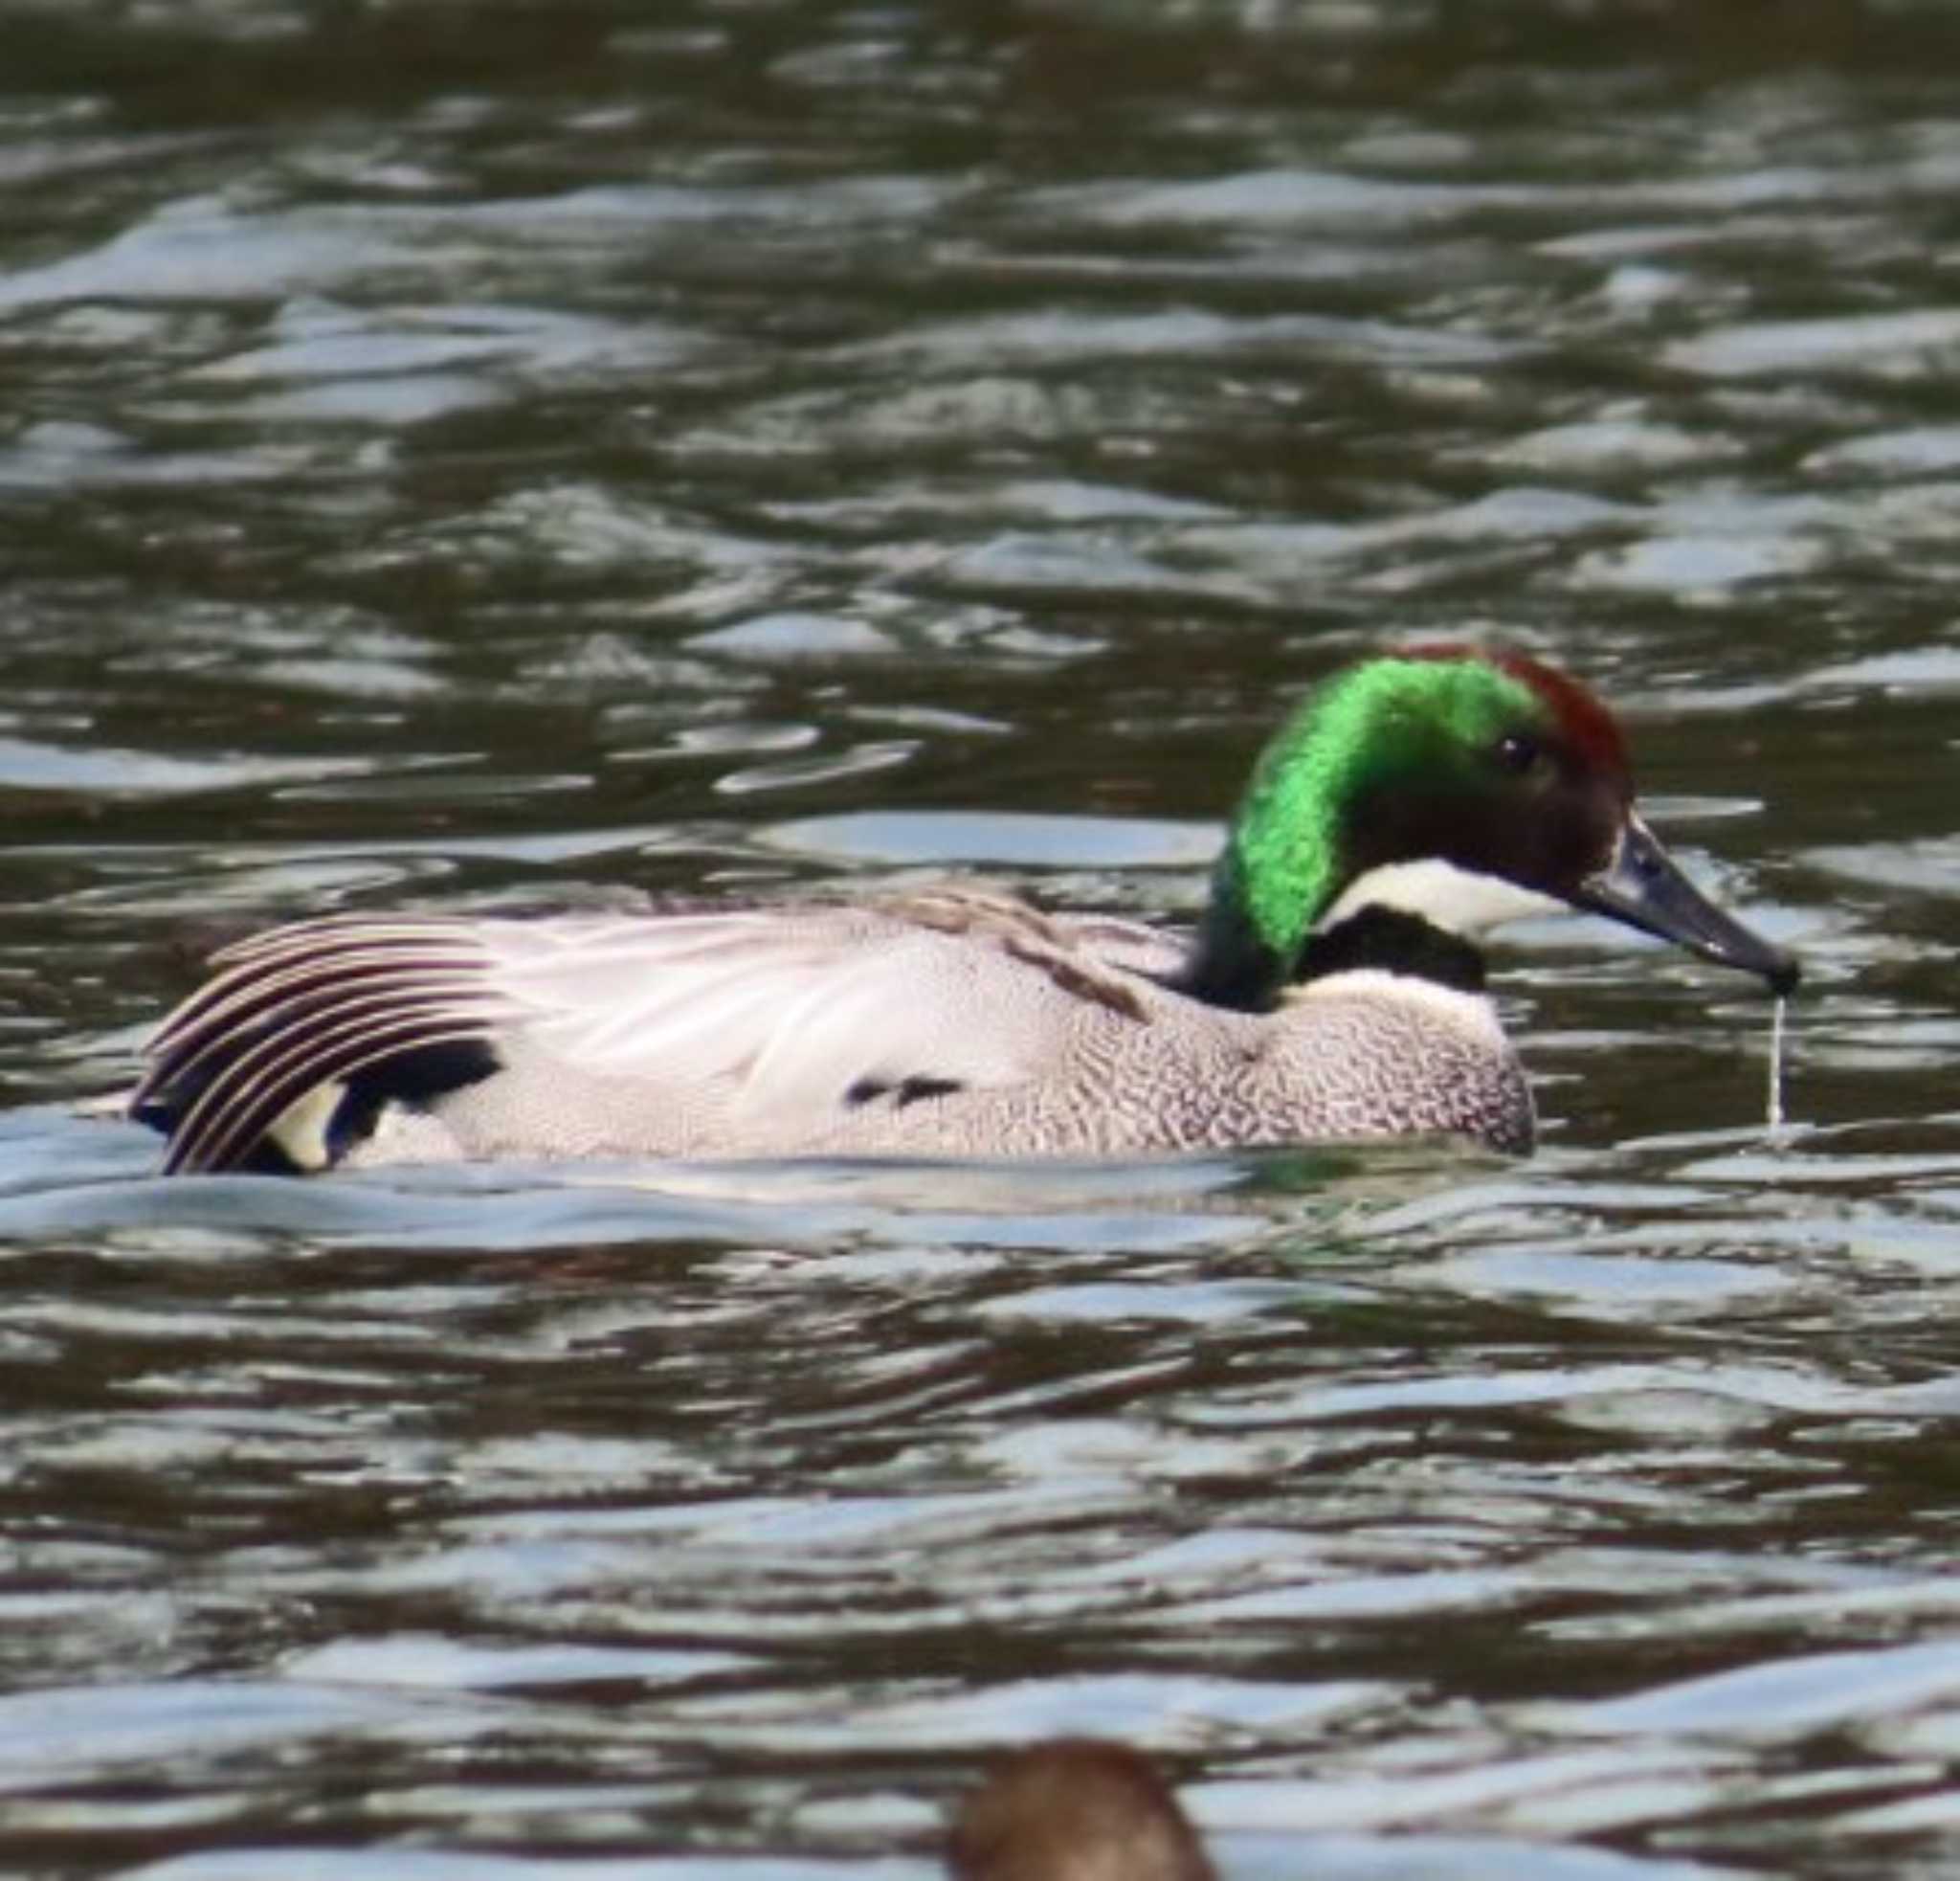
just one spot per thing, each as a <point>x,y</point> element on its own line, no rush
<point>1459,901</point>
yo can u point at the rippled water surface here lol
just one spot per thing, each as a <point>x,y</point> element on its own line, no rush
<point>466,454</point>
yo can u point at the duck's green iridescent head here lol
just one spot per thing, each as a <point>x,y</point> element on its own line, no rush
<point>1454,786</point>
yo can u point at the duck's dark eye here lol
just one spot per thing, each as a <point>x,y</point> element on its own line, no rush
<point>1518,752</point>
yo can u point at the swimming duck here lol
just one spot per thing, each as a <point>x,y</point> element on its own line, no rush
<point>1332,988</point>
<point>1076,1809</point>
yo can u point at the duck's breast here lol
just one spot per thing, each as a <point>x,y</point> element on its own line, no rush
<point>1369,1053</point>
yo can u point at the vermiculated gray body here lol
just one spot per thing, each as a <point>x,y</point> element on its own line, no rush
<point>958,1022</point>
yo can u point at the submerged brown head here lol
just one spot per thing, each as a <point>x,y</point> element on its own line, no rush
<point>1076,1809</point>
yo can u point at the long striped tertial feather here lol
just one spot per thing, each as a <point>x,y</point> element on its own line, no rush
<point>185,1052</point>
<point>252,975</point>
<point>303,1007</point>
<point>253,1090</point>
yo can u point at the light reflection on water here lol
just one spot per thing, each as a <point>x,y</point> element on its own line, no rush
<point>581,457</point>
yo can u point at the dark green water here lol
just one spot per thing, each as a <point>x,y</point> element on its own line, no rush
<point>456,453</point>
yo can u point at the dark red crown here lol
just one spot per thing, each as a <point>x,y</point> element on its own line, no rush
<point>1585,723</point>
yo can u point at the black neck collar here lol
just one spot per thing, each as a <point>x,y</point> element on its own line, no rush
<point>1392,941</point>
<point>1230,968</point>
